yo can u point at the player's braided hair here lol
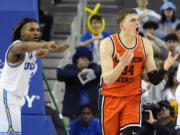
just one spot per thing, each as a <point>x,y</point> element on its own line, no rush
<point>17,29</point>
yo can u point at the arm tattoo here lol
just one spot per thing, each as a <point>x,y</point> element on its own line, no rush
<point>13,52</point>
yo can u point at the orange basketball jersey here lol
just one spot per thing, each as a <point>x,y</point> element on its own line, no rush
<point>129,82</point>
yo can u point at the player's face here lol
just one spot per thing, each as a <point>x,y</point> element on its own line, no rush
<point>142,3</point>
<point>30,32</point>
<point>131,24</point>
<point>96,24</point>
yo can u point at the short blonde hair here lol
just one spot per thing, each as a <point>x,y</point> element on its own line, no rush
<point>123,13</point>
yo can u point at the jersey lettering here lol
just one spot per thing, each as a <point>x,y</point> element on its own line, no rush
<point>29,65</point>
<point>128,70</point>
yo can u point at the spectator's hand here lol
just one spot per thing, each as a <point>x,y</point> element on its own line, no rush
<point>99,37</point>
<point>84,71</point>
<point>40,53</point>
<point>51,46</point>
<point>126,58</point>
<point>170,61</point>
<point>151,119</point>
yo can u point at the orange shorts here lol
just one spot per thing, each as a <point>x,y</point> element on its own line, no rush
<point>118,113</point>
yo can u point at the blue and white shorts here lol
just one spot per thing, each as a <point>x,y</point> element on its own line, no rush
<point>10,113</point>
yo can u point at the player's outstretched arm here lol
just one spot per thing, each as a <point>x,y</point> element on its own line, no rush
<point>61,46</point>
<point>17,50</point>
<point>22,47</point>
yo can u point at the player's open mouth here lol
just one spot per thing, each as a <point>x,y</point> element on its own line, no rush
<point>137,29</point>
<point>36,38</point>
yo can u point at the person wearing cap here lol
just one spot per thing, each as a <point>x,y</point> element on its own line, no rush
<point>81,82</point>
<point>159,47</point>
<point>168,21</point>
<point>163,125</point>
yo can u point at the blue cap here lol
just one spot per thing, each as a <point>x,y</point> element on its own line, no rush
<point>167,5</point>
<point>82,51</point>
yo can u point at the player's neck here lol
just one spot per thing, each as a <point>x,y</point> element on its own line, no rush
<point>128,40</point>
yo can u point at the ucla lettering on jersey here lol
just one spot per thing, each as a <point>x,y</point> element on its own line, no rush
<point>29,66</point>
<point>16,77</point>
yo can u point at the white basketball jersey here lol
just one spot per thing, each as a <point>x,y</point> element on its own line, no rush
<point>16,77</point>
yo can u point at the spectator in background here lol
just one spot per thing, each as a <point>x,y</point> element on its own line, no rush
<point>171,43</point>
<point>163,125</point>
<point>169,93</point>
<point>178,32</point>
<point>93,40</point>
<point>159,47</point>
<point>168,21</point>
<point>47,20</point>
<point>81,82</point>
<point>146,14</point>
<point>86,124</point>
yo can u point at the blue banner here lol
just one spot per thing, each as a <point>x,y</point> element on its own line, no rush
<point>11,12</point>
<point>37,125</point>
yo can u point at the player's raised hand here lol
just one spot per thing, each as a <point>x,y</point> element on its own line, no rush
<point>170,61</point>
<point>62,46</point>
<point>51,46</point>
<point>126,58</point>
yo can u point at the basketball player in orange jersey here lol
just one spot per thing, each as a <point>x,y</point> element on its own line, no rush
<point>123,57</point>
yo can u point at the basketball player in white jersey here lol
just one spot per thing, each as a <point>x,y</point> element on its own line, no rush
<point>19,67</point>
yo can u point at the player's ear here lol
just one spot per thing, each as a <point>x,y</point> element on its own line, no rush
<point>121,25</point>
<point>22,32</point>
